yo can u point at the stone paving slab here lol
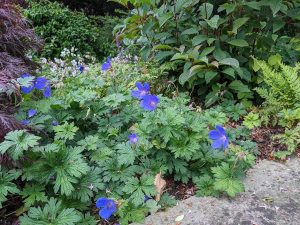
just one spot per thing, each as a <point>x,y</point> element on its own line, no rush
<point>272,197</point>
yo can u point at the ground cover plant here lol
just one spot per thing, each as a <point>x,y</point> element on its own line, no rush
<point>111,141</point>
<point>92,138</point>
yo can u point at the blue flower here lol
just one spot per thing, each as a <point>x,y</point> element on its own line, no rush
<point>31,112</point>
<point>142,90</point>
<point>220,138</point>
<point>25,122</point>
<point>107,207</point>
<point>47,92</point>
<point>40,83</point>
<point>133,138</point>
<point>54,123</point>
<point>81,68</point>
<point>107,65</point>
<point>27,90</point>
<point>149,102</point>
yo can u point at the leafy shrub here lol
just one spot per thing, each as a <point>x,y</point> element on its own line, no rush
<point>63,28</point>
<point>16,40</point>
<point>92,139</point>
<point>214,40</point>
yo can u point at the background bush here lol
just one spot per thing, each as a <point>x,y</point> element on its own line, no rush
<point>93,7</point>
<point>214,40</point>
<point>62,28</point>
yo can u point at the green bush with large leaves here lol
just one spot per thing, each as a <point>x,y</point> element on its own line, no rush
<point>214,40</point>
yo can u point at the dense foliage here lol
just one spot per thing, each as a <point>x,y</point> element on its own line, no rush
<point>214,40</point>
<point>63,28</point>
<point>91,139</point>
<point>95,142</point>
<point>94,7</point>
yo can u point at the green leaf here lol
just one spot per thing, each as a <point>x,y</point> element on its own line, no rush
<point>33,194</point>
<point>179,56</point>
<point>253,5</point>
<point>199,39</point>
<point>229,7</point>
<point>162,19</point>
<point>126,155</point>
<point>239,42</point>
<point>230,62</point>
<point>161,47</point>
<point>275,59</point>
<point>53,213</point>
<point>190,31</point>
<point>213,22</point>
<point>238,23</point>
<point>278,25</point>
<point>275,6</point>
<point>16,142</point>
<point>238,86</point>
<point>206,51</point>
<point>138,188</point>
<point>163,55</point>
<point>230,72</point>
<point>7,186</point>
<point>206,10</point>
<point>219,54</point>
<point>209,75</point>
<point>226,180</point>
<point>71,168</point>
<point>65,132</point>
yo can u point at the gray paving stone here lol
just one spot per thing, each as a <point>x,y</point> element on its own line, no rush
<point>272,197</point>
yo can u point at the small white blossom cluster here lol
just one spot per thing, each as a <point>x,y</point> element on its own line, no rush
<point>123,59</point>
<point>70,64</point>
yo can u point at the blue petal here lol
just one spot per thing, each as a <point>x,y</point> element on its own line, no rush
<point>226,142</point>
<point>31,112</point>
<point>217,144</point>
<point>25,122</point>
<point>220,129</point>
<point>105,213</point>
<point>27,90</point>
<point>214,135</point>
<point>106,66</point>
<point>146,86</point>
<point>47,92</point>
<point>101,202</point>
<point>40,83</point>
<point>139,85</point>
<point>136,94</point>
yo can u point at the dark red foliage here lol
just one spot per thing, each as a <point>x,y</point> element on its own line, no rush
<point>16,39</point>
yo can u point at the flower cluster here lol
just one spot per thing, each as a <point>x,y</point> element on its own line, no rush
<point>39,83</point>
<point>148,102</point>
